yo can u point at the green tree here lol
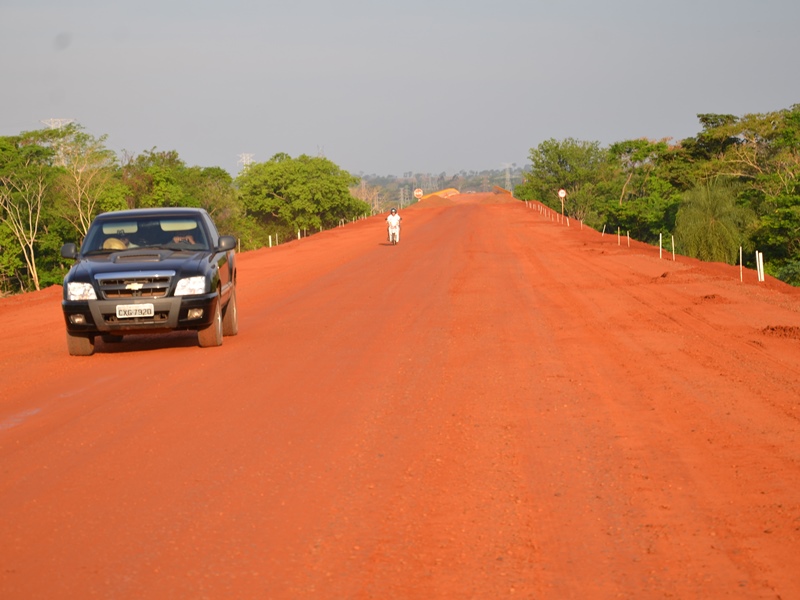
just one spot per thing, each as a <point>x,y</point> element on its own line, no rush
<point>647,214</point>
<point>299,193</point>
<point>12,267</point>
<point>87,169</point>
<point>26,174</point>
<point>647,200</point>
<point>764,150</point>
<point>778,236</point>
<point>155,179</point>
<point>710,224</point>
<point>579,167</point>
<point>637,159</point>
<point>212,188</point>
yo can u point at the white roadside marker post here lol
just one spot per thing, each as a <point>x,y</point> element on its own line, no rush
<point>760,265</point>
<point>741,268</point>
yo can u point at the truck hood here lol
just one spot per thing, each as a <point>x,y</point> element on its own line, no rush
<point>182,262</point>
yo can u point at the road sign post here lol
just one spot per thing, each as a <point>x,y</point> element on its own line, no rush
<point>562,193</point>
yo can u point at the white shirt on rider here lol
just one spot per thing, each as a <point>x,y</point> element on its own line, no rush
<point>393,220</point>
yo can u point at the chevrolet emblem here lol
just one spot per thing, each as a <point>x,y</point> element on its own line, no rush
<point>134,286</point>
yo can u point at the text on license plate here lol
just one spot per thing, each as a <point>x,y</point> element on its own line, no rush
<point>129,311</point>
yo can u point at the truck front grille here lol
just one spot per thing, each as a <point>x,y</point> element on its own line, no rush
<point>155,284</point>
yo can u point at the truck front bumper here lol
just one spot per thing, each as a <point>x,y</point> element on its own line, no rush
<point>177,313</point>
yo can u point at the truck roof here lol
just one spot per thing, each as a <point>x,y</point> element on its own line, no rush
<point>139,212</point>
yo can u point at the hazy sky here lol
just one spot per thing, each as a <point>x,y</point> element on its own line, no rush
<point>387,87</point>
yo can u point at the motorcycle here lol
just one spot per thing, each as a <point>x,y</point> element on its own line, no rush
<point>394,234</point>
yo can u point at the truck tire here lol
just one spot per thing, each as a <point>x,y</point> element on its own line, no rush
<point>212,335</point>
<point>230,320</point>
<point>80,345</point>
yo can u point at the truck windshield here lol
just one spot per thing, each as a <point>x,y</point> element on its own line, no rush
<point>177,233</point>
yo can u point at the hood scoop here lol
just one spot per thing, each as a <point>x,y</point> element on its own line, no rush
<point>136,256</point>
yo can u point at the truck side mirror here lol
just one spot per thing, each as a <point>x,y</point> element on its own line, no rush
<point>226,242</point>
<point>69,250</point>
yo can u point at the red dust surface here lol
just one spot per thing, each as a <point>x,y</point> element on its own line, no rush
<point>501,406</point>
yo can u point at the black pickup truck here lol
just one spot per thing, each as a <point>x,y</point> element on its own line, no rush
<point>147,271</point>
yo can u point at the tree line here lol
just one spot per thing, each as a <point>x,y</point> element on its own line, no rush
<point>54,181</point>
<point>733,185</point>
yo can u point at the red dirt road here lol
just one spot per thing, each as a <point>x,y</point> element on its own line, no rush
<point>501,406</point>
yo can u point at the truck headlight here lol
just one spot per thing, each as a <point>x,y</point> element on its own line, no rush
<point>190,286</point>
<point>77,290</point>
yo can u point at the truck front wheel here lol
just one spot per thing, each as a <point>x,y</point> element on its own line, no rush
<point>80,345</point>
<point>230,320</point>
<point>212,335</point>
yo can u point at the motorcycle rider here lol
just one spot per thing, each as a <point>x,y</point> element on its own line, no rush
<point>393,220</point>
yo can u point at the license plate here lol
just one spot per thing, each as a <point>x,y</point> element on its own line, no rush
<point>130,311</point>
